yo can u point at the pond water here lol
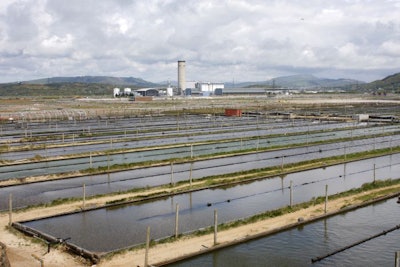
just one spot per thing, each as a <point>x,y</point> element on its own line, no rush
<point>296,247</point>
<point>125,225</point>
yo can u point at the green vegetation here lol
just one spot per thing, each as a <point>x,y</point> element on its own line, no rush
<point>230,179</point>
<point>57,89</point>
<point>251,174</point>
<point>315,201</point>
<point>389,84</point>
<point>365,188</point>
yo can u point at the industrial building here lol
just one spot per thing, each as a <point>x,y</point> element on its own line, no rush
<point>147,92</point>
<point>126,92</point>
<point>208,88</point>
<point>183,88</point>
<point>116,92</point>
<point>203,88</point>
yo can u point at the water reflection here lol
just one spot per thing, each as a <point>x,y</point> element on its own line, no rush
<point>296,247</point>
<point>196,208</point>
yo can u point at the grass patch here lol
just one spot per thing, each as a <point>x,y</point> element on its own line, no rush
<point>226,180</point>
<point>313,202</point>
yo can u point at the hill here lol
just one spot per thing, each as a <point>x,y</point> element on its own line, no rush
<point>310,81</point>
<point>303,82</point>
<point>389,84</point>
<point>103,85</point>
<point>131,81</point>
<point>72,86</point>
<point>55,89</point>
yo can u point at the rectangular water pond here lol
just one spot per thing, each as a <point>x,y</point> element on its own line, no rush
<point>121,226</point>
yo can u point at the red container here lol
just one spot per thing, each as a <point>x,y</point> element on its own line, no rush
<point>233,112</point>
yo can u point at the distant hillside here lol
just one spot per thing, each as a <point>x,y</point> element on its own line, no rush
<point>390,84</point>
<point>303,82</point>
<point>96,79</point>
<point>72,86</point>
<point>103,85</point>
<point>310,81</point>
<point>55,89</point>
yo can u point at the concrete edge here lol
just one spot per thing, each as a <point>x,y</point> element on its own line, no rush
<point>276,230</point>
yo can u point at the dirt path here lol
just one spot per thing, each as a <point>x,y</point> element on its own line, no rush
<point>186,246</point>
<point>20,248</point>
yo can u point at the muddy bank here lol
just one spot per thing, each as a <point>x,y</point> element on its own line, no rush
<point>4,262</point>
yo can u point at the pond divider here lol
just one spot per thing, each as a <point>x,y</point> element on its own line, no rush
<point>300,223</point>
<point>51,240</point>
<point>95,257</point>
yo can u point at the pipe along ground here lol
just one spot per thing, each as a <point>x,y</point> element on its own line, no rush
<point>316,259</point>
<point>50,240</point>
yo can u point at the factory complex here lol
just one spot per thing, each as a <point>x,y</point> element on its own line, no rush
<point>184,88</point>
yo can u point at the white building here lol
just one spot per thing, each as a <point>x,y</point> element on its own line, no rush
<point>208,86</point>
<point>116,92</point>
<point>170,91</point>
<point>127,91</point>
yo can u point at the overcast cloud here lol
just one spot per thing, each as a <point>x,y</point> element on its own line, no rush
<point>220,40</point>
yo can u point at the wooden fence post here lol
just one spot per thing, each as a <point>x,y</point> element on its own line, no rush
<point>84,196</point>
<point>146,256</point>
<point>374,172</point>
<point>176,220</point>
<point>172,173</point>
<point>215,226</point>
<point>291,193</point>
<point>326,197</point>
<point>10,209</point>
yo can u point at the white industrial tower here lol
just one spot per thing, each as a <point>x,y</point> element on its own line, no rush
<point>181,77</point>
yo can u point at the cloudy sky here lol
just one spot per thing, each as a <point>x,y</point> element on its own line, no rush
<point>221,41</point>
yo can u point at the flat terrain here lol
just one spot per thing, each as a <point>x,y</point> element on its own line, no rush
<point>21,248</point>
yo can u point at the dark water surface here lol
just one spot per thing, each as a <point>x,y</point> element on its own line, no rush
<point>121,226</point>
<point>296,247</point>
<point>44,192</point>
